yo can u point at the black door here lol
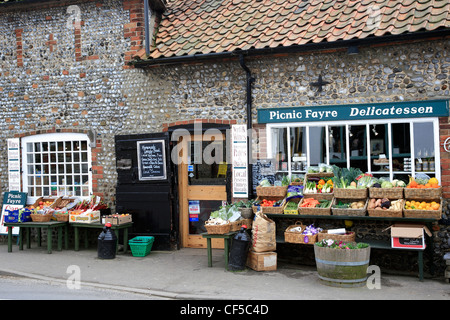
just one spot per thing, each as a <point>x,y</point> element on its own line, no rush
<point>145,187</point>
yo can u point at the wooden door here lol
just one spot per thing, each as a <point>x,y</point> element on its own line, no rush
<point>202,187</point>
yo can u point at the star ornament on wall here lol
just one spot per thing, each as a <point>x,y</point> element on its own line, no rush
<point>319,84</point>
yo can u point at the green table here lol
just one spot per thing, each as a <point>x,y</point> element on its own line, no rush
<point>38,225</point>
<point>77,225</point>
<point>226,244</point>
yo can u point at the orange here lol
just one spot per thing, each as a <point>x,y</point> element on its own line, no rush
<point>413,184</point>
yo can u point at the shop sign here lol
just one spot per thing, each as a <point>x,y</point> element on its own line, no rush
<point>11,201</point>
<point>413,109</point>
<point>240,163</point>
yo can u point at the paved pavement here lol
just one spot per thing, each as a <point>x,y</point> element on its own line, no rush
<point>184,274</point>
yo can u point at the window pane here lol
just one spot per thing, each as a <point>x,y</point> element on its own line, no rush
<point>379,154</point>
<point>401,147</point>
<point>279,148</point>
<point>358,151</point>
<point>298,149</point>
<point>423,146</point>
<point>338,146</point>
<point>317,148</point>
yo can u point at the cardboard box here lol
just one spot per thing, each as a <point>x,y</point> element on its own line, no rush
<point>408,235</point>
<point>117,219</point>
<point>262,261</point>
<point>85,217</point>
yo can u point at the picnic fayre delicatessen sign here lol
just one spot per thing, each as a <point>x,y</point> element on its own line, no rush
<point>413,109</point>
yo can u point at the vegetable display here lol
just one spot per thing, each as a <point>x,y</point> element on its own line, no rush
<point>385,204</point>
<point>422,205</point>
<point>319,185</point>
<point>352,205</point>
<point>422,182</point>
<point>314,203</point>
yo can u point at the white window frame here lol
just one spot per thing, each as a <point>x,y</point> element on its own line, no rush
<point>367,123</point>
<point>60,188</point>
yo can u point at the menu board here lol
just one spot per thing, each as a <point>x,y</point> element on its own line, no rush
<point>151,160</point>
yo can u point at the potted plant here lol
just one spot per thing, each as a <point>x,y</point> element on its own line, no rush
<point>342,264</point>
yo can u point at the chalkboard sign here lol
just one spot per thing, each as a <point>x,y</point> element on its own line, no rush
<point>151,160</point>
<point>262,169</point>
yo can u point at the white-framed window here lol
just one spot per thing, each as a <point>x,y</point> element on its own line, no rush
<point>56,164</point>
<point>394,148</point>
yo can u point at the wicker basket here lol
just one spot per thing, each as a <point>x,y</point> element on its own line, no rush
<point>345,193</point>
<point>314,211</point>
<point>349,211</point>
<point>389,193</point>
<point>319,196</point>
<point>423,193</point>
<point>36,217</point>
<point>246,213</point>
<point>271,191</point>
<point>427,214</point>
<point>388,213</point>
<point>348,237</point>
<point>298,237</point>
<point>218,228</point>
<point>319,174</point>
<point>236,225</point>
<point>274,210</point>
<point>61,217</point>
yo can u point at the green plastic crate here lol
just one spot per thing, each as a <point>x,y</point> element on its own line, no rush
<point>141,246</point>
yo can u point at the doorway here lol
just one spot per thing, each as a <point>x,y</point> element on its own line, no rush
<point>202,189</point>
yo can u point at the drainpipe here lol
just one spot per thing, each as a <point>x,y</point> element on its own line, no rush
<point>250,80</point>
<point>147,31</point>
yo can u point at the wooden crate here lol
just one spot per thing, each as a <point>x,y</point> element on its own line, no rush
<point>262,261</point>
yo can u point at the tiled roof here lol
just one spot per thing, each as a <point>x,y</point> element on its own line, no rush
<point>213,26</point>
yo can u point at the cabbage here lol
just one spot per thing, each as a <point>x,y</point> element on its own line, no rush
<point>386,184</point>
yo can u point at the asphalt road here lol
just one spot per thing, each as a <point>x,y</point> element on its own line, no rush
<point>17,288</point>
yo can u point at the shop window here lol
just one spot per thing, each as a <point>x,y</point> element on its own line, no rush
<point>391,148</point>
<point>56,165</point>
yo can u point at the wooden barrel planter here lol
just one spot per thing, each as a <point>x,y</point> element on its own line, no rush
<point>342,267</point>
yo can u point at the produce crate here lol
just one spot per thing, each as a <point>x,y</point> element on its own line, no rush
<point>53,201</point>
<point>275,210</point>
<point>314,211</point>
<point>388,193</point>
<point>423,193</point>
<point>392,213</point>
<point>262,261</point>
<point>118,219</point>
<point>348,211</point>
<point>427,214</point>
<point>84,217</point>
<point>297,236</point>
<point>346,193</point>
<point>218,228</point>
<point>291,211</point>
<point>141,246</point>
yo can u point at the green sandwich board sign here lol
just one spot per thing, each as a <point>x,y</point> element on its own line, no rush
<point>367,111</point>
